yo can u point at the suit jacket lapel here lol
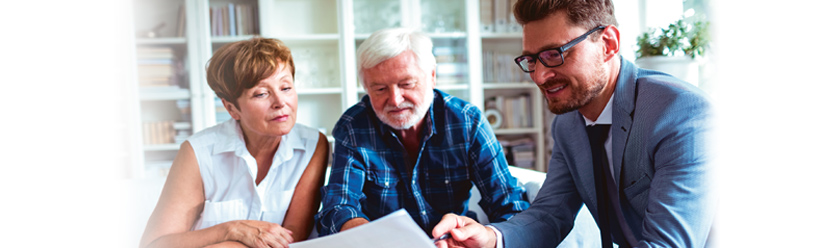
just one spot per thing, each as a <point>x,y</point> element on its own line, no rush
<point>623,107</point>
<point>577,140</point>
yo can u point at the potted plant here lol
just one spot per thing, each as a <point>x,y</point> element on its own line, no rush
<point>674,49</point>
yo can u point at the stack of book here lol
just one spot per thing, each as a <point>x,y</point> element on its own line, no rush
<point>451,64</point>
<point>158,132</point>
<point>234,20</point>
<point>515,111</point>
<point>184,109</point>
<point>166,132</point>
<point>183,130</point>
<point>519,152</point>
<point>156,67</point>
<point>501,67</point>
<point>496,17</point>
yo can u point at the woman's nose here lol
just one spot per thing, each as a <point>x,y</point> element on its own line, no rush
<point>277,101</point>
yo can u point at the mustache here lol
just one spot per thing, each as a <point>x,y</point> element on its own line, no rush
<point>554,83</point>
<point>402,105</point>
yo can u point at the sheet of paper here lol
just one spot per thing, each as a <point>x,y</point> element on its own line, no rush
<point>397,229</point>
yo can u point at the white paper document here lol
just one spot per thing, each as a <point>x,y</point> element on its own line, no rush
<point>397,229</point>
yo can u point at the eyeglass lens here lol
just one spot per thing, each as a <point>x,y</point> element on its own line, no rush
<point>549,58</point>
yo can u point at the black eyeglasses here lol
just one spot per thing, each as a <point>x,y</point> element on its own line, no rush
<point>551,57</point>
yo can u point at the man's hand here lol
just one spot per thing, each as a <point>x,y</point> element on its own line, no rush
<point>464,231</point>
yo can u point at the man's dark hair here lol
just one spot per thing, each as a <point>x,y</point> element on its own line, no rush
<point>584,13</point>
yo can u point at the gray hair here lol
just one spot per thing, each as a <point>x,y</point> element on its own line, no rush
<point>388,43</point>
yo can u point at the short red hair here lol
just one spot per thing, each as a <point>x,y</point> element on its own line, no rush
<point>240,65</point>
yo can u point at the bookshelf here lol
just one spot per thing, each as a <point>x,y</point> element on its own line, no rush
<point>323,36</point>
<point>165,92</point>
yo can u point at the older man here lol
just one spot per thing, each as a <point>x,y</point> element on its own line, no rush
<point>409,146</point>
<point>629,142</point>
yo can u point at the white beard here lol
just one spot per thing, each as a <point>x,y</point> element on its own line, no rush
<point>406,121</point>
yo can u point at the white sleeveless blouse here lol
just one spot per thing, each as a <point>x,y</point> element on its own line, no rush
<point>229,174</point>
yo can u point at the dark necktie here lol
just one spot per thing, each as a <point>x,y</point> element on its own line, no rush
<point>597,135</point>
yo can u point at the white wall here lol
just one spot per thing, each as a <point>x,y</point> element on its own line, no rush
<point>627,13</point>
<point>771,96</point>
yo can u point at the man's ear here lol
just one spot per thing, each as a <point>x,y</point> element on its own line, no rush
<point>612,42</point>
<point>434,77</point>
<point>235,113</point>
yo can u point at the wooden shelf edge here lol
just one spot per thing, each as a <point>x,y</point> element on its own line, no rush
<point>161,41</point>
<point>319,91</point>
<point>161,147</point>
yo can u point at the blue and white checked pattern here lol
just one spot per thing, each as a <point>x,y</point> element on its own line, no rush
<point>369,176</point>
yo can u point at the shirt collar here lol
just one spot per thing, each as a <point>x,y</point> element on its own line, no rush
<point>289,142</point>
<point>606,114</point>
<point>228,137</point>
<point>231,139</point>
<point>430,129</point>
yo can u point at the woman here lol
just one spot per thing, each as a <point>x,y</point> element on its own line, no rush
<point>253,180</point>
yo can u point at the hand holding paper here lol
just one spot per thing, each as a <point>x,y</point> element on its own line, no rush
<point>397,229</point>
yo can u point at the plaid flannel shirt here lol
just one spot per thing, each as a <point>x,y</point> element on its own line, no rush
<point>369,176</point>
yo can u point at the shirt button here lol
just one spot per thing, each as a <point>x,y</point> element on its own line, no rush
<point>423,212</point>
<point>386,183</point>
<point>447,181</point>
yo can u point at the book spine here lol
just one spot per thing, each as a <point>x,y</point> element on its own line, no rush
<point>182,21</point>
<point>501,15</point>
<point>486,16</point>
<point>213,22</point>
<point>240,20</point>
<point>512,24</point>
<point>231,17</point>
<point>225,29</point>
<point>254,20</point>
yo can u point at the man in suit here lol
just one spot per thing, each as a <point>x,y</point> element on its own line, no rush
<point>645,180</point>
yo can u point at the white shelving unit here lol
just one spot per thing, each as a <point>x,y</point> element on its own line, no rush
<point>323,36</point>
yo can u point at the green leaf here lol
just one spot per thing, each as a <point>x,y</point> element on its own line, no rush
<point>692,40</point>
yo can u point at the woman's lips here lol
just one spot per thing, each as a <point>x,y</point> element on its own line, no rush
<point>281,118</point>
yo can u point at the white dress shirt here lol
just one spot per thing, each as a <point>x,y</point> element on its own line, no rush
<point>229,174</point>
<point>606,118</point>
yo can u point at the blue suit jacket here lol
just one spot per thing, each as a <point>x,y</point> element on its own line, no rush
<point>659,127</point>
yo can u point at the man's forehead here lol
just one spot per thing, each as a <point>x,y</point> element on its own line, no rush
<point>384,76</point>
<point>553,31</point>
